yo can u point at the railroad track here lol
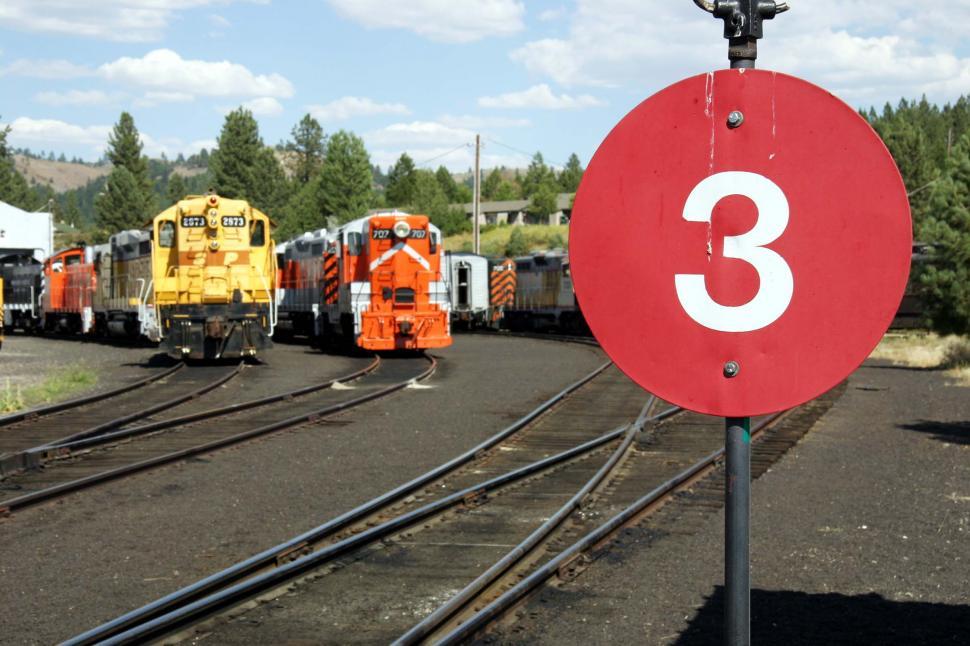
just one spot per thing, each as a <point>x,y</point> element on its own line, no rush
<point>71,466</point>
<point>85,401</point>
<point>503,506</point>
<point>21,441</point>
<point>535,441</point>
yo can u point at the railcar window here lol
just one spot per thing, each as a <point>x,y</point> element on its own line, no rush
<point>434,243</point>
<point>317,249</point>
<point>166,234</point>
<point>257,236</point>
<point>144,247</point>
<point>353,243</point>
<point>73,260</point>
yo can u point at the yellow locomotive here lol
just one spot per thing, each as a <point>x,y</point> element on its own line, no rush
<point>214,278</point>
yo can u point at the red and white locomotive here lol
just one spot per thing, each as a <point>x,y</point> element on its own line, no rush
<point>376,282</point>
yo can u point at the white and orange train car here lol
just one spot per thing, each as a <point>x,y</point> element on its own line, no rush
<point>375,282</point>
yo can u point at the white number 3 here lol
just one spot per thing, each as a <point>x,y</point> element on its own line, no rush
<point>777,285</point>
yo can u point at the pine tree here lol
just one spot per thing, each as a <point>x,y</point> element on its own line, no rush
<point>176,188</point>
<point>536,175</point>
<point>130,172</point>
<point>946,275</point>
<point>517,244</point>
<point>13,186</point>
<point>243,168</point>
<point>345,180</point>
<point>121,205</point>
<point>431,200</point>
<point>303,212</point>
<point>571,175</point>
<point>307,148</point>
<point>447,183</point>
<point>491,184</point>
<point>71,210</point>
<point>543,201</point>
<point>401,182</point>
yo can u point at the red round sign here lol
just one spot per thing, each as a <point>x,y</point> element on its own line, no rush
<point>740,219</point>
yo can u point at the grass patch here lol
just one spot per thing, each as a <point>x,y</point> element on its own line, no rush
<point>927,350</point>
<point>66,381</point>
<point>538,237</point>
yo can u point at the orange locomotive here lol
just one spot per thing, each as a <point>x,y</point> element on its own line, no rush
<point>376,282</point>
<point>68,289</point>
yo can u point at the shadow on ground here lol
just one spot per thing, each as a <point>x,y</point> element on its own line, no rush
<point>797,618</point>
<point>952,432</point>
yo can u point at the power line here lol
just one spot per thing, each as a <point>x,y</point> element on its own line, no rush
<point>522,152</point>
<point>428,161</point>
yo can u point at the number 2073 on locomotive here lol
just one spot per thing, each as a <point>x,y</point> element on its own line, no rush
<point>740,242</point>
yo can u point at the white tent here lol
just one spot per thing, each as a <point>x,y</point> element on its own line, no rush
<point>23,232</point>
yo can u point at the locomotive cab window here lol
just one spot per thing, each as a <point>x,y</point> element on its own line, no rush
<point>166,234</point>
<point>433,248</point>
<point>257,236</point>
<point>353,244</point>
<point>72,260</point>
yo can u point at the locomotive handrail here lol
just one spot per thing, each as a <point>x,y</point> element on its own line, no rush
<point>273,304</point>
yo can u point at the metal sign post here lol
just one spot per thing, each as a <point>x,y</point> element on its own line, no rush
<point>742,27</point>
<point>710,296</point>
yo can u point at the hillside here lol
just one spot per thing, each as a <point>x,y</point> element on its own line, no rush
<point>65,176</point>
<point>60,176</point>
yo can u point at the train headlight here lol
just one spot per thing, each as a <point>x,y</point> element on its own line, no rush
<point>402,229</point>
<point>214,245</point>
<point>213,218</point>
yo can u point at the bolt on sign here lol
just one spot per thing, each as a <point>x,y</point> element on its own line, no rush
<point>740,242</point>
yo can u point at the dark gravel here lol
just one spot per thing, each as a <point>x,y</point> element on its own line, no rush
<point>860,535</point>
<point>71,565</point>
<point>28,360</point>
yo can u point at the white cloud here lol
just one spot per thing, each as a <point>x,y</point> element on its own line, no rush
<point>474,122</point>
<point>77,97</point>
<point>46,69</point>
<point>219,21</point>
<point>353,106</point>
<point>151,99</point>
<point>552,14</point>
<point>60,135</point>
<point>540,96</point>
<point>864,51</point>
<point>448,21</point>
<point>25,131</point>
<point>454,160</point>
<point>120,20</point>
<point>419,134</point>
<point>165,71</point>
<point>264,106</point>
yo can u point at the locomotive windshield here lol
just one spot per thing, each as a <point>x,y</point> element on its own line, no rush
<point>257,237</point>
<point>166,234</point>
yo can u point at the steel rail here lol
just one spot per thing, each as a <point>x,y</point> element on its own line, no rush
<point>511,597</point>
<point>187,607</point>
<point>271,557</point>
<point>61,449</point>
<point>151,410</point>
<point>469,593</point>
<point>50,409</point>
<point>28,500</point>
<point>33,457</point>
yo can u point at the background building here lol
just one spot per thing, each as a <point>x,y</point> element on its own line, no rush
<point>23,232</point>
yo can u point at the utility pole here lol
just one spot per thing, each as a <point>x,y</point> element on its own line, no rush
<point>477,198</point>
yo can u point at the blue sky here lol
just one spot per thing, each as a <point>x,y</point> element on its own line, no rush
<point>424,76</point>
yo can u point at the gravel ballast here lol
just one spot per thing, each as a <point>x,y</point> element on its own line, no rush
<point>92,556</point>
<point>860,535</point>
